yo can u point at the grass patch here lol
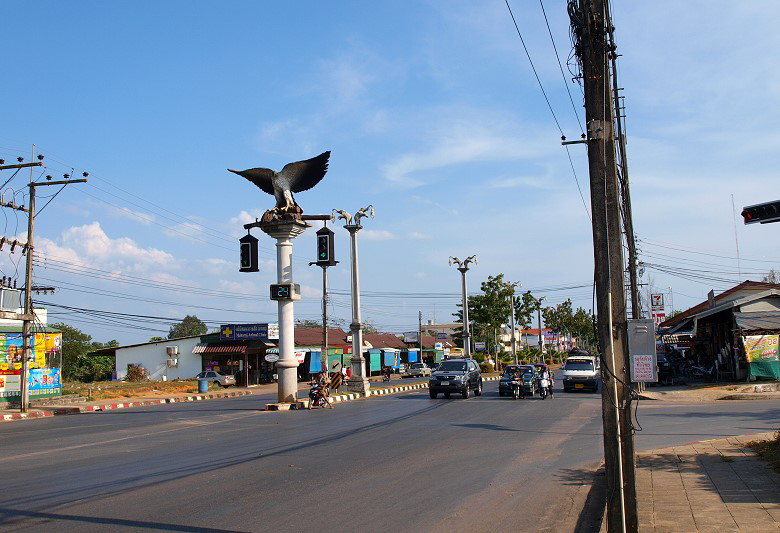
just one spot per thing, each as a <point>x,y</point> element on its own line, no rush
<point>109,390</point>
<point>769,450</point>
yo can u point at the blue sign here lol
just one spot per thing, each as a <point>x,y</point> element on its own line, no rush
<point>262,332</point>
<point>44,381</point>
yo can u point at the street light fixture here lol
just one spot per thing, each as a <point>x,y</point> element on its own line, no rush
<point>463,267</point>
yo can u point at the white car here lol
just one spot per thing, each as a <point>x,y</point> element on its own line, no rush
<point>417,370</point>
<point>217,378</point>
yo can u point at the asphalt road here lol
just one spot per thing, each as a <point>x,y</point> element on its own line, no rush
<point>398,463</point>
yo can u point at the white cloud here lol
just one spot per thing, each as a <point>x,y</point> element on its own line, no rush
<point>138,216</point>
<point>376,235</point>
<point>419,236</point>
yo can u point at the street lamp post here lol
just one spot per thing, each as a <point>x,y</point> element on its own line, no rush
<point>358,382</point>
<point>463,267</point>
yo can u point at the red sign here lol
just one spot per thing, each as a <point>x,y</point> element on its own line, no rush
<point>658,318</point>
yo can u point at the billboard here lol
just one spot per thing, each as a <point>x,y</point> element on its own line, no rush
<point>412,337</point>
<point>762,355</point>
<point>46,349</point>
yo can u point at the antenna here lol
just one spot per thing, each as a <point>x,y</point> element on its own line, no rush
<point>736,239</point>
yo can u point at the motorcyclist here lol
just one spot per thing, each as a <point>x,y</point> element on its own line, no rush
<point>387,372</point>
<point>546,374</point>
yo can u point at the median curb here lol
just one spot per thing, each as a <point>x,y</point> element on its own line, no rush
<point>92,408</point>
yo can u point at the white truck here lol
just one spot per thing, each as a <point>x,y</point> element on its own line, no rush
<point>581,372</point>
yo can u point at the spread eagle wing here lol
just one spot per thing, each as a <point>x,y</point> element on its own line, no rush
<point>303,175</point>
<point>262,177</point>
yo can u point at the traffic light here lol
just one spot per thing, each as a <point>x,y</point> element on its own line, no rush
<point>248,254</point>
<point>325,247</point>
<point>763,213</point>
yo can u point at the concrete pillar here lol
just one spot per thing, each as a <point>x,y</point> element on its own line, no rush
<point>284,233</point>
<point>358,382</point>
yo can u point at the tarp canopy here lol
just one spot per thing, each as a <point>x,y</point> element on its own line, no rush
<point>221,347</point>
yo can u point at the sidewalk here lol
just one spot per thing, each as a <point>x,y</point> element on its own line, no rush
<point>709,393</point>
<point>715,485</point>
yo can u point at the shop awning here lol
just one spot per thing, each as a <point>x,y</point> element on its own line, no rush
<point>758,320</point>
<point>220,347</point>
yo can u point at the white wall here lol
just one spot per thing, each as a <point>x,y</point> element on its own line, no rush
<point>153,358</point>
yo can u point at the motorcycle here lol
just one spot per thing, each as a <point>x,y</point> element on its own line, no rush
<point>317,397</point>
<point>517,389</point>
<point>385,377</point>
<point>544,385</point>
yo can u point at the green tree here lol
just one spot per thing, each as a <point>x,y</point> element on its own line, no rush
<point>559,318</point>
<point>189,326</point>
<point>76,365</point>
<point>525,308</point>
<point>157,339</point>
<point>582,327</point>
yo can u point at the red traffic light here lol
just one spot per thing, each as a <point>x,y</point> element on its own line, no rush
<point>763,213</point>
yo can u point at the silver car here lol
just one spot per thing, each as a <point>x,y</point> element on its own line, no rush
<point>217,378</point>
<point>417,370</point>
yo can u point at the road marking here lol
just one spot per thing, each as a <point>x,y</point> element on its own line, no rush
<point>130,437</point>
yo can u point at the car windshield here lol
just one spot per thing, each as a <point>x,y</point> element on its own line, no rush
<point>579,364</point>
<point>452,366</point>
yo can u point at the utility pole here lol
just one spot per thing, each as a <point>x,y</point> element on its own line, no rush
<point>28,316</point>
<point>625,191</point>
<point>539,325</point>
<point>463,267</point>
<point>590,28</point>
<point>419,333</point>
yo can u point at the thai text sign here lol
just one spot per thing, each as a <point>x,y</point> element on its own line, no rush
<point>262,332</point>
<point>761,353</point>
<point>643,368</point>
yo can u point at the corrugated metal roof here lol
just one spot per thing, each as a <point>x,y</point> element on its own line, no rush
<point>758,320</point>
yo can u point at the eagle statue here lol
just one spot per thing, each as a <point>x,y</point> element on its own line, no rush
<point>294,177</point>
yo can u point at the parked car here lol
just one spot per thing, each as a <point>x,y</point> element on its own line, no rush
<point>581,372</point>
<point>528,375</point>
<point>456,375</point>
<point>417,370</point>
<point>217,378</point>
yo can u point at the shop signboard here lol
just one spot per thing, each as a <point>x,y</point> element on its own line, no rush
<point>479,346</point>
<point>761,352</point>
<point>261,332</point>
<point>657,302</point>
<point>441,336</point>
<point>658,317</point>
<point>10,385</point>
<point>438,346</point>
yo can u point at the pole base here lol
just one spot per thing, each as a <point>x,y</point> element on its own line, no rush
<point>361,385</point>
<point>285,406</point>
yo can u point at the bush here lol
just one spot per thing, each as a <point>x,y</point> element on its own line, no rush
<point>479,357</point>
<point>486,368</point>
<point>137,373</point>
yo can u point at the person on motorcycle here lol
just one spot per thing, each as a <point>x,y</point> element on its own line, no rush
<point>546,374</point>
<point>387,372</point>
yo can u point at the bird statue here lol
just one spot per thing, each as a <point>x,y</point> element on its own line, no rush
<point>464,263</point>
<point>294,177</point>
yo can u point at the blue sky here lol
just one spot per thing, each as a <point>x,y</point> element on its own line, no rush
<point>432,114</point>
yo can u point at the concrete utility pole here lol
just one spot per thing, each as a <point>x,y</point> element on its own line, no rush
<point>539,325</point>
<point>419,333</point>
<point>28,316</point>
<point>358,382</point>
<point>463,267</point>
<point>590,28</point>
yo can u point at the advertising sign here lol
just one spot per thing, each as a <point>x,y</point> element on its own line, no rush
<point>441,336</point>
<point>657,302</point>
<point>10,385</point>
<point>479,346</point>
<point>412,336</point>
<point>261,332</point>
<point>658,317</point>
<point>762,356</point>
<point>438,346</point>
<point>44,381</point>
